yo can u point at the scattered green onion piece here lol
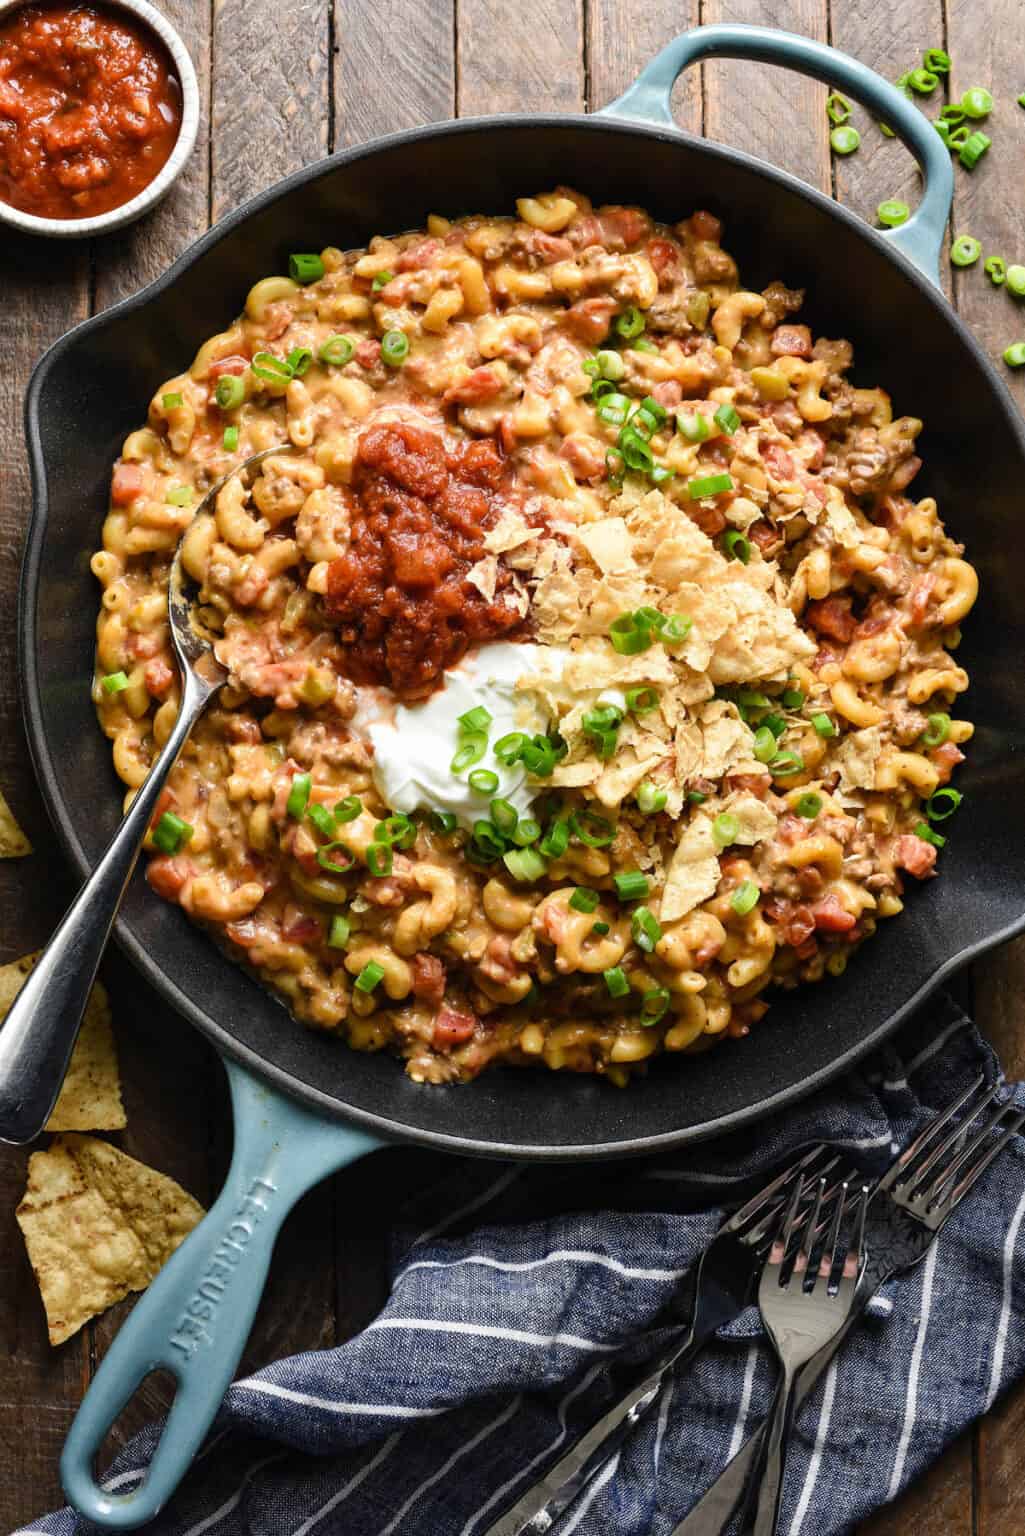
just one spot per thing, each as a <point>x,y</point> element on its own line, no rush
<point>696,796</point>
<point>922,81</point>
<point>675,629</point>
<point>786,763</point>
<point>615,980</point>
<point>337,351</point>
<point>709,485</point>
<point>584,899</point>
<point>1021,99</point>
<point>942,128</point>
<point>171,832</point>
<point>298,795</point>
<point>601,928</point>
<point>610,365</point>
<point>380,858</point>
<point>642,344</point>
<point>1014,355</point>
<point>592,830</point>
<point>838,108</point>
<point>612,408</point>
<point>509,749</point>
<point>943,803</point>
<point>229,442</point>
<point>977,102</point>
<point>727,418</point>
<point>399,830</point>
<point>661,474</point>
<point>792,698</point>
<point>470,751</point>
<point>973,149</point>
<point>230,391</point>
<point>725,828</point>
<point>369,977</point>
<point>824,726</point>
<point>590,367</point>
<point>965,251</point>
<point>266,366</point>
<point>892,212</point>
<point>299,360</point>
<point>326,861</point>
<point>483,780</point>
<point>956,138</point>
<point>656,411</point>
<point>694,427</point>
<point>995,268</point>
<point>641,701</point>
<point>503,813</point>
<point>381,281</point>
<point>654,1006</point>
<point>394,348</point>
<point>938,60</point>
<point>488,841</point>
<point>321,818</point>
<point>524,863</point>
<point>630,323</point>
<point>753,698</point>
<point>349,808</point>
<point>737,546</point>
<point>476,719</point>
<point>844,140</point>
<point>556,840</point>
<point>635,451</point>
<point>631,885</point>
<point>937,730</point>
<point>809,805</point>
<point>1016,281</point>
<point>338,933</point>
<point>305,268</point>
<point>651,798</point>
<point>539,757</point>
<point>114,682</point>
<point>645,929</point>
<point>649,618</point>
<point>953,114</point>
<point>926,833</point>
<point>886,130</point>
<point>745,897</point>
<point>526,831</point>
<point>765,744</point>
<point>442,821</point>
<point>627,638</point>
<point>179,496</point>
<point>172,400</point>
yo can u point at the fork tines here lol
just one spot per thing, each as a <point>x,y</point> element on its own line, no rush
<point>822,1240</point>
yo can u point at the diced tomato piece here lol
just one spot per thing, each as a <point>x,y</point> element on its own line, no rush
<point>417,256</point>
<point>915,855</point>
<point>590,318</point>
<point>763,534</point>
<point>549,247</point>
<point>585,231</point>
<point>779,461</point>
<point>368,353</point>
<point>750,783</point>
<point>946,759</point>
<point>816,443</point>
<point>126,483</point>
<point>165,800</point>
<point>452,1027</point>
<point>167,876</point>
<point>585,454</point>
<point>831,917</point>
<point>623,226</point>
<point>235,364</point>
<point>791,341</point>
<point>662,254</point>
<point>300,927</point>
<point>668,393</point>
<point>158,676</point>
<point>481,385</point>
<point>428,977</point>
<point>832,616</point>
<point>277,319</point>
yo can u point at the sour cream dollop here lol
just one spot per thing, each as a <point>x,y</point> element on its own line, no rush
<point>413,750</point>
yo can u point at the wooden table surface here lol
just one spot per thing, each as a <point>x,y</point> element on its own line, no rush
<point>281,86</point>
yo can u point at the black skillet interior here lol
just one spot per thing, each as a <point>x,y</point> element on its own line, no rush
<point>95,385</point>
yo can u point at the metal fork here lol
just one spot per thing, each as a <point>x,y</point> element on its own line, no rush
<point>907,1208</point>
<point>805,1293</point>
<point>722,1285</point>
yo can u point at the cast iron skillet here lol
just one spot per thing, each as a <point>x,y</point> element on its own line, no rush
<point>304,1105</point>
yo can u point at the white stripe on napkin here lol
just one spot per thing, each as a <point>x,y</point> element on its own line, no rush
<point>367,1410</point>
<point>1000,1342</point>
<point>236,1498</point>
<point>663,1420</point>
<point>591,1494</point>
<point>815,1463</point>
<point>740,1423</point>
<point>435,1477</point>
<point>490,1331</point>
<point>350,1487</point>
<point>558,1256</point>
<point>911,1408</point>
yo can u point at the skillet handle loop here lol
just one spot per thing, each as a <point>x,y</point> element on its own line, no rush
<point>921,238</point>
<point>195,1318</point>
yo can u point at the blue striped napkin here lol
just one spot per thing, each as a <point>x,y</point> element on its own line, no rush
<point>512,1293</point>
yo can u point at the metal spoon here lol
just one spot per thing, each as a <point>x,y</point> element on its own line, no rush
<point>39,1032</point>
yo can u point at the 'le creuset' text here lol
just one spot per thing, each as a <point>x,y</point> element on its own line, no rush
<point>202,1306</point>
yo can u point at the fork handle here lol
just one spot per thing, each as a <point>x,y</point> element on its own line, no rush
<point>40,1030</point>
<point>771,1488</point>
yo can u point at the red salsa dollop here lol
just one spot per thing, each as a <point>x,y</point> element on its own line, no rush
<point>400,596</point>
<point>90,108</point>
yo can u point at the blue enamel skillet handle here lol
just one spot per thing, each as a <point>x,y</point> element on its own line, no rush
<point>921,238</point>
<point>195,1318</point>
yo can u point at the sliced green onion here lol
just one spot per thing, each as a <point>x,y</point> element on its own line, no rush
<point>369,977</point>
<point>627,639</point>
<point>937,730</point>
<point>661,474</point>
<point>774,723</point>
<point>630,323</point>
<point>1021,99</point>
<point>922,81</point>
<point>114,682</point>
<point>943,803</point>
<point>179,496</point>
<point>488,841</point>
<point>676,628</point>
<point>526,831</point>
<point>786,763</point>
<point>539,757</point>
<point>298,361</point>
<point>942,128</point>
<point>753,698</point>
<point>745,897</point>
<point>592,830</point>
<point>642,344</point>
<point>509,749</point>
<point>1016,281</point>
<point>965,251</point>
<point>631,885</point>
<point>321,818</point>
<point>838,108</point>
<point>654,1005</point>
<point>1014,355</point>
<point>809,805</point>
<point>381,281</point>
<point>477,719</point>
<point>938,60</point>
<point>824,726</point>
<point>298,795</point>
<point>926,833</point>
<point>470,751</point>
<point>583,899</point>
<point>694,427</point>
<point>657,412</point>
<point>601,928</point>
<point>635,451</point>
<point>844,140</point>
<point>230,391</point>
<point>306,268</point>
<point>266,366</point>
<point>612,408</point>
<point>615,980</point>
<point>171,832</point>
<point>556,840</point>
<point>650,798</point>
<point>645,929</point>
<point>641,700</point>
<point>398,830</point>
<point>444,822</point>
<point>765,744</point>
<point>338,933</point>
<point>973,149</point>
<point>380,859</point>
<point>995,268</point>
<point>328,859</point>
<point>394,348</point>
<point>792,698</point>
<point>956,137</point>
<point>172,400</point>
<point>610,365</point>
<point>503,813</point>
<point>483,780</point>
<point>953,114</point>
<point>709,485</point>
<point>229,441</point>
<point>348,809</point>
<point>977,102</point>
<point>696,796</point>
<point>337,351</point>
<point>727,419</point>
<point>725,829</point>
<point>892,212</point>
<point>524,863</point>
<point>737,546</point>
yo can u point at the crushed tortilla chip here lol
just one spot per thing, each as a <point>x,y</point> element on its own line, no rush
<point>755,820</point>
<point>90,1098</point>
<point>97,1225</point>
<point>856,758</point>
<point>484,576</point>
<point>693,873</point>
<point>608,543</point>
<point>13,842</point>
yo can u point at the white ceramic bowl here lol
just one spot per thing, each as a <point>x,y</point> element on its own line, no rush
<point>127,213</point>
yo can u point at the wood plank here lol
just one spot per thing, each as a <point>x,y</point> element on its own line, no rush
<point>622,38</point>
<point>536,67</point>
<point>419,85</point>
<point>939,1504</point>
<point>774,114</point>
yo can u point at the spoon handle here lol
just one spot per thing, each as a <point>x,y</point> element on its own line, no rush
<point>39,1032</point>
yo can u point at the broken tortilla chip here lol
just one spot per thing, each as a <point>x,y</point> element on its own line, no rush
<point>97,1225</point>
<point>13,842</point>
<point>90,1098</point>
